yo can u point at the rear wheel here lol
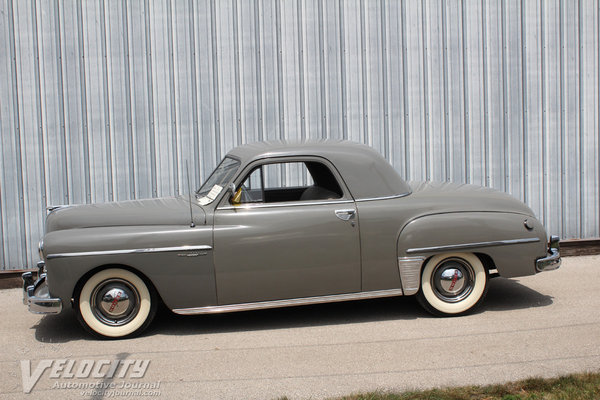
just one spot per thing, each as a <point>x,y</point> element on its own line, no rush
<point>116,303</point>
<point>453,284</point>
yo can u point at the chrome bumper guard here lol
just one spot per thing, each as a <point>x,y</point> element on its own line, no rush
<point>36,295</point>
<point>552,260</point>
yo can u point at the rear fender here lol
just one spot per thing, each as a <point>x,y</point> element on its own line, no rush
<point>504,237</point>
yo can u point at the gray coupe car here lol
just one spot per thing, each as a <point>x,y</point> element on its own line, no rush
<point>280,224</point>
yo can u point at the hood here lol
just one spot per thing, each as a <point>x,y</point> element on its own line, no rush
<point>452,197</point>
<point>161,211</point>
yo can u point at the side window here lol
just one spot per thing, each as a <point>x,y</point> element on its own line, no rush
<point>286,175</point>
<point>251,189</point>
<point>293,181</point>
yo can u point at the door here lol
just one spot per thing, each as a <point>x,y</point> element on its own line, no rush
<point>287,238</point>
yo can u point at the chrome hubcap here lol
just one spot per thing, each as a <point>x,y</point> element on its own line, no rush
<point>452,280</point>
<point>115,302</point>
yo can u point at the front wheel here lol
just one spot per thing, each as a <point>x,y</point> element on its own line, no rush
<point>115,303</point>
<point>453,284</point>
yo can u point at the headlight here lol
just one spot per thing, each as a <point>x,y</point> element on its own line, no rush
<point>41,248</point>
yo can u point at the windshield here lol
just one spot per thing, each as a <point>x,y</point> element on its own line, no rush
<point>217,180</point>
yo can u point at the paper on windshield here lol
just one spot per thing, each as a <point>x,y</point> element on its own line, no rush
<point>209,198</point>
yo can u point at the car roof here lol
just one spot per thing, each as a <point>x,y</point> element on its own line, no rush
<point>366,173</point>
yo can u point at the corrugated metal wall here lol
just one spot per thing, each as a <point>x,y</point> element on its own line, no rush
<point>107,100</point>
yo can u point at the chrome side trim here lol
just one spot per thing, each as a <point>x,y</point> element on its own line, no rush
<point>410,273</point>
<point>288,303</point>
<point>309,203</point>
<point>128,251</point>
<point>395,196</point>
<point>284,204</point>
<point>471,245</point>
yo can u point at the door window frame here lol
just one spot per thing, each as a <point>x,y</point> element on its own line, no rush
<point>224,203</point>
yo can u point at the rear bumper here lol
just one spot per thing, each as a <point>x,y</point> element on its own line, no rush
<point>36,295</point>
<point>552,260</point>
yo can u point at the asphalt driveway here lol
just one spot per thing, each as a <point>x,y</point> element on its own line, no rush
<point>544,325</point>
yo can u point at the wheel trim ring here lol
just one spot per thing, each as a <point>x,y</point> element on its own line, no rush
<point>468,277</point>
<point>90,321</point>
<point>109,284</point>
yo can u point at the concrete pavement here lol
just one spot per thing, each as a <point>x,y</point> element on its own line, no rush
<point>545,325</point>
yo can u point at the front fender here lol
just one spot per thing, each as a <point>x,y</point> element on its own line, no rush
<point>512,246</point>
<point>167,255</point>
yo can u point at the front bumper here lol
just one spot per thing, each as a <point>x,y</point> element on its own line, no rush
<point>36,295</point>
<point>552,260</point>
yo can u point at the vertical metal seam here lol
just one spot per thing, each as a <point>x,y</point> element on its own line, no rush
<point>3,263</point>
<point>61,116</point>
<point>236,69</point>
<point>105,86</point>
<point>524,99</point>
<point>322,80</point>
<point>215,79</point>
<point>424,28</point>
<point>279,70</point>
<point>172,86</point>
<point>581,124</point>
<point>194,83</point>
<point>2,260</point>
<point>84,112</point>
<point>259,93</point>
<point>342,28</point>
<point>17,133</point>
<point>15,120</point>
<point>544,113</point>
<point>384,61</point>
<point>506,139</point>
<point>465,92</point>
<point>363,50</point>
<point>149,78</point>
<point>445,82</point>
<point>405,91</point>
<point>26,227</point>
<point>282,131</point>
<point>300,69</point>
<point>128,110</point>
<point>562,119</point>
<point>486,126</point>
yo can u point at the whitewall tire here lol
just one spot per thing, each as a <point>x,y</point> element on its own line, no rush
<point>453,284</point>
<point>115,303</point>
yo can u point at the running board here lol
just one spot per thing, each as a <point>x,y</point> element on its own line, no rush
<point>288,303</point>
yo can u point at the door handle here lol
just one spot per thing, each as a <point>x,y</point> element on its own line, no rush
<point>345,215</point>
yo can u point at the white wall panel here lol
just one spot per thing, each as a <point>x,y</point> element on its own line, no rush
<point>103,100</point>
